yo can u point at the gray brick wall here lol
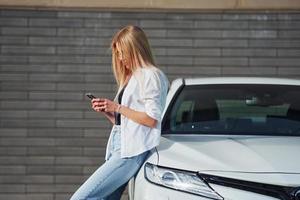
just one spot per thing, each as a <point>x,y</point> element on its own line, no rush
<point>50,139</point>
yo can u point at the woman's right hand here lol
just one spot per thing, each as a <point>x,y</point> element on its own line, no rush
<point>96,104</point>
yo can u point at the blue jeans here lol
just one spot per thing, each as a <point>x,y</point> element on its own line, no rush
<point>109,181</point>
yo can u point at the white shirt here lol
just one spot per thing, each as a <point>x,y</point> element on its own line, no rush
<point>146,91</point>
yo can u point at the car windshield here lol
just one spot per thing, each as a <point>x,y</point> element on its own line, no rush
<point>234,109</point>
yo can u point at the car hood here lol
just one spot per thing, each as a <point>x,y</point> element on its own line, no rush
<point>244,157</point>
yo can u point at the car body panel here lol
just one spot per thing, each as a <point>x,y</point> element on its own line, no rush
<point>254,158</point>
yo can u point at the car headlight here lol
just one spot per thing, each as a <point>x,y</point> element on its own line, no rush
<point>179,180</point>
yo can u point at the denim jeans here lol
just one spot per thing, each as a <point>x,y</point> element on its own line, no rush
<point>109,181</point>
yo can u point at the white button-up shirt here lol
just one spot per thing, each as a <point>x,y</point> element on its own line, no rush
<point>146,91</point>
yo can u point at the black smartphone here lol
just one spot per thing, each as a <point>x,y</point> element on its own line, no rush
<point>90,95</point>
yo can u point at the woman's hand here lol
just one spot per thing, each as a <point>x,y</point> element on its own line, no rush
<point>104,105</point>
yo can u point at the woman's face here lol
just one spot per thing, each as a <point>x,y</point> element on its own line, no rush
<point>121,56</point>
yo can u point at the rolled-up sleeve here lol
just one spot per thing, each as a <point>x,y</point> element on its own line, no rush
<point>152,95</point>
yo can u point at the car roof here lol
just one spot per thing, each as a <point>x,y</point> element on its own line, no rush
<point>241,80</point>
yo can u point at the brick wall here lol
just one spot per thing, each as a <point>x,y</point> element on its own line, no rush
<point>50,139</point>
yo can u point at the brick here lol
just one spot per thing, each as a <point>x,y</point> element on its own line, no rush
<point>56,59</point>
<point>288,53</point>
<point>83,51</point>
<point>184,24</point>
<point>13,77</point>
<point>250,16</point>
<point>96,151</point>
<point>83,87</point>
<point>24,123</point>
<point>55,114</point>
<point>288,16</point>
<point>68,151</point>
<point>8,21</point>
<point>222,24</point>
<point>171,60</point>
<point>135,15</point>
<point>13,114</point>
<point>28,13</point>
<point>27,196</point>
<point>80,142</point>
<point>91,114</point>
<point>12,188</point>
<point>249,34</point>
<point>97,60</point>
<point>59,22</point>
<point>155,33</point>
<point>55,132</point>
<point>256,52</point>
<point>28,68</point>
<point>8,169</point>
<point>27,142</point>
<point>53,170</point>
<point>159,51</point>
<point>13,132</point>
<point>40,160</point>
<point>290,71</point>
<point>79,14</point>
<point>95,132</point>
<point>56,77</point>
<point>46,188</point>
<point>27,86</point>
<point>26,179</point>
<point>61,196</point>
<point>83,105</point>
<point>27,104</point>
<point>86,68</point>
<point>194,52</point>
<point>221,43</point>
<point>100,78</point>
<point>192,16</point>
<point>274,62</point>
<point>274,43</point>
<point>222,61</point>
<point>30,31</point>
<point>13,59</point>
<point>16,40</point>
<point>257,71</point>
<point>27,50</point>
<point>22,160</point>
<point>290,25</point>
<point>85,32</point>
<point>12,151</point>
<point>11,160</point>
<point>54,151</point>
<point>290,34</point>
<point>197,70</point>
<point>66,179</point>
<point>264,25</point>
<point>109,23</point>
<point>12,95</point>
<point>191,33</point>
<point>171,42</point>
<point>35,40</point>
<point>77,160</point>
<point>90,41</point>
<point>55,96</point>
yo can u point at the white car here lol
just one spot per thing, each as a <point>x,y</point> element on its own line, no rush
<point>234,138</point>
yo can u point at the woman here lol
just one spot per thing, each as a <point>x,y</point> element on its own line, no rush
<point>135,113</point>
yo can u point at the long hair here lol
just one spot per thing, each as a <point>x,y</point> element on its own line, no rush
<point>136,49</point>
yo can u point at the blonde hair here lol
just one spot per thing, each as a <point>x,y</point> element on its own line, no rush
<point>136,49</point>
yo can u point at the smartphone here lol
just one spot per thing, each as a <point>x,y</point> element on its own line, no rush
<point>90,95</point>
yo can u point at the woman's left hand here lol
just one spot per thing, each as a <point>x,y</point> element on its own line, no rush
<point>107,105</point>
